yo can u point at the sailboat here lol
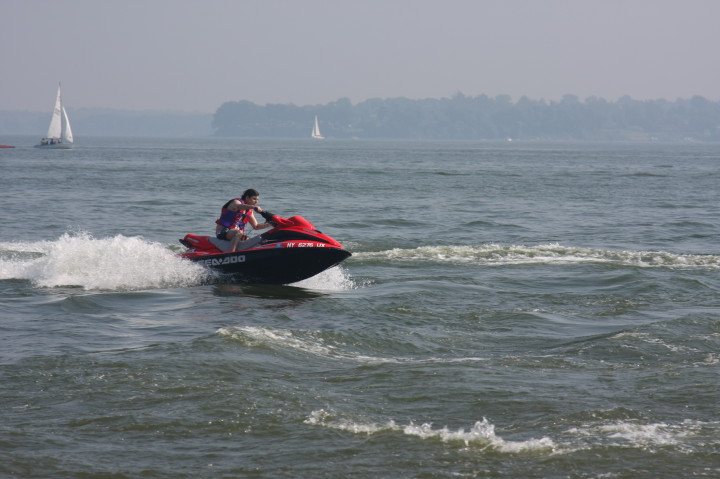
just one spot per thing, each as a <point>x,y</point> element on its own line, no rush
<point>316,135</point>
<point>59,135</point>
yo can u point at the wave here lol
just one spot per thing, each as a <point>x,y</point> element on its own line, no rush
<point>80,260</point>
<point>652,437</point>
<point>482,433</point>
<point>314,343</point>
<point>493,254</point>
<point>307,342</point>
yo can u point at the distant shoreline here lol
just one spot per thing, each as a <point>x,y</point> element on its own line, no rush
<point>456,118</point>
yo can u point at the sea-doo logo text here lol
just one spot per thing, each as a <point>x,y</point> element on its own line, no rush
<point>226,260</point>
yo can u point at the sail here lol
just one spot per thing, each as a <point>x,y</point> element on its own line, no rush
<point>316,131</point>
<point>67,131</point>
<point>55,130</point>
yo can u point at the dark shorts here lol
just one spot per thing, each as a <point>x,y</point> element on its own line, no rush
<point>222,234</point>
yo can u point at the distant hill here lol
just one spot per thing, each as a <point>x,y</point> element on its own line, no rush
<point>106,122</point>
<point>478,118</point>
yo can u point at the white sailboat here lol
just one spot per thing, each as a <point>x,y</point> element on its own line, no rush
<point>59,135</point>
<point>316,135</point>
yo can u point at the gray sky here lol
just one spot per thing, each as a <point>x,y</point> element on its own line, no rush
<point>194,55</point>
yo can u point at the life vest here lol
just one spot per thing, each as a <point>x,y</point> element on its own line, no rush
<point>234,219</point>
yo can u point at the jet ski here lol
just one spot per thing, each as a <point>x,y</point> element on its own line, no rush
<point>293,250</point>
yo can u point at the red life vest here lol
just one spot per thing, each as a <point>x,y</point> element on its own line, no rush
<point>234,219</point>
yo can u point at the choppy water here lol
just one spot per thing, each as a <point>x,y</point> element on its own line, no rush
<point>510,310</point>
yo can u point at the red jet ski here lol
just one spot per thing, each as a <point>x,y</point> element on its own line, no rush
<point>290,252</point>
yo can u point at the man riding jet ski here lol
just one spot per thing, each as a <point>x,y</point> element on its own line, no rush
<point>293,250</point>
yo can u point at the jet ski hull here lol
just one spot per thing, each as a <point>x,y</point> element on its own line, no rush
<point>278,263</point>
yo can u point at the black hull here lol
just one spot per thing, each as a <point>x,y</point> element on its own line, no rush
<point>272,265</point>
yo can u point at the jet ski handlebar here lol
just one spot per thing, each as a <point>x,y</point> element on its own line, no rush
<point>268,217</point>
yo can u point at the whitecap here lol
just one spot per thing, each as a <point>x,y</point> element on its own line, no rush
<point>639,435</point>
<point>482,433</point>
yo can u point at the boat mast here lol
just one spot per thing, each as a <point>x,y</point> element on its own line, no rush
<point>62,116</point>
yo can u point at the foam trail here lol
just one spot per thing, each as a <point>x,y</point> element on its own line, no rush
<point>493,254</point>
<point>117,263</point>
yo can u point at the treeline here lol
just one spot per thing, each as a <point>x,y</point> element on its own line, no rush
<point>478,118</point>
<point>109,122</point>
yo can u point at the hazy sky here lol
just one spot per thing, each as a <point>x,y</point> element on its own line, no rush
<point>195,55</point>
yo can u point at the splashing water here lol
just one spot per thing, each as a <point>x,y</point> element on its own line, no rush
<point>117,263</point>
<point>333,279</point>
